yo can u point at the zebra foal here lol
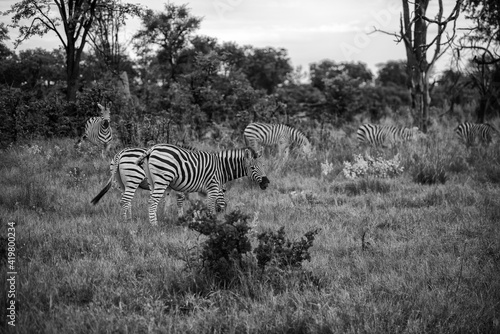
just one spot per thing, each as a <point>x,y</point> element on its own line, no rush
<point>129,177</point>
<point>196,171</point>
<point>98,130</point>
<point>469,133</point>
<point>262,134</point>
<point>380,135</point>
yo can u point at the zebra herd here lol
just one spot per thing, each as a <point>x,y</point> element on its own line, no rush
<point>381,135</point>
<point>165,167</point>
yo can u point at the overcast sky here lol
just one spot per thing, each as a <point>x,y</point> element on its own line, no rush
<point>310,30</point>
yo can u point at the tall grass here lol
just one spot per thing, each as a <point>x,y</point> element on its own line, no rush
<point>391,255</point>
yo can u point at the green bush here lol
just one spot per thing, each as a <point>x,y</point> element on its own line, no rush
<point>227,251</point>
<point>222,252</point>
<point>276,249</point>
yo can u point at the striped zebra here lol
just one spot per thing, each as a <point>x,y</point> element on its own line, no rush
<point>262,134</point>
<point>196,171</point>
<point>98,130</point>
<point>470,133</point>
<point>129,177</point>
<point>381,135</point>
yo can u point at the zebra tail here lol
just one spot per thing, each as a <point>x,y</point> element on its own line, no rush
<point>143,156</point>
<point>96,199</point>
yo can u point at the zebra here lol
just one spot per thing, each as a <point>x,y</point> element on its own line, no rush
<point>196,171</point>
<point>98,129</point>
<point>275,134</point>
<point>129,177</point>
<point>379,135</point>
<point>469,132</point>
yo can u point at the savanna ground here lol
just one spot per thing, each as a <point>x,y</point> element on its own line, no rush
<point>391,256</point>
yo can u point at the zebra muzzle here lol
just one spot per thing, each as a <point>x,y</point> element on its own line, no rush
<point>264,183</point>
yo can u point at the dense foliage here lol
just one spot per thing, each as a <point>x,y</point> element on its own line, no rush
<point>189,87</point>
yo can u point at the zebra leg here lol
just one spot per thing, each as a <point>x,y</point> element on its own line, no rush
<point>155,197</point>
<point>126,202</point>
<point>180,203</point>
<point>105,150</point>
<point>220,202</point>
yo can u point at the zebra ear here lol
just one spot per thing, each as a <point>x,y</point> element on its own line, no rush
<point>100,106</point>
<point>250,154</point>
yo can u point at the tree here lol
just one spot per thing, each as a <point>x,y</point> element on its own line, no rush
<point>481,43</point>
<point>414,27</point>
<point>76,18</point>
<point>341,85</point>
<point>4,35</point>
<point>266,68</point>
<point>170,30</point>
<point>392,73</point>
<point>484,36</point>
<point>40,68</point>
<point>329,69</point>
<point>486,78</point>
<point>109,19</point>
<point>452,88</point>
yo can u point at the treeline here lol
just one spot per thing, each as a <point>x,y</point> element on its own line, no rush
<point>180,86</point>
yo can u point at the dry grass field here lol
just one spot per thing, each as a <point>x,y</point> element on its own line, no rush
<point>392,255</point>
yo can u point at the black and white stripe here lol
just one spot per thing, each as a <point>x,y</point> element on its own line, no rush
<point>262,134</point>
<point>196,171</point>
<point>98,129</point>
<point>382,135</point>
<point>469,133</point>
<point>129,176</point>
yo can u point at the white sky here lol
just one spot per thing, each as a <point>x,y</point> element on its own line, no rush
<point>310,30</point>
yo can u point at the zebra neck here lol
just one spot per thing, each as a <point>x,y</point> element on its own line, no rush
<point>233,166</point>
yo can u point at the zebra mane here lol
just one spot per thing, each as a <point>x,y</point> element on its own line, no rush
<point>254,153</point>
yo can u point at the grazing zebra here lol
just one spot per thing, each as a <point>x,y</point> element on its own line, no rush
<point>98,130</point>
<point>275,134</point>
<point>196,171</point>
<point>129,176</point>
<point>469,132</point>
<point>379,135</point>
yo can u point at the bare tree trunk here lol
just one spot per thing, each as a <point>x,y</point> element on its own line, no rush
<point>72,72</point>
<point>414,35</point>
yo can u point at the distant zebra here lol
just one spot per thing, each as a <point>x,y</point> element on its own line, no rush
<point>380,135</point>
<point>470,132</point>
<point>98,129</point>
<point>275,134</point>
<point>196,171</point>
<point>129,176</point>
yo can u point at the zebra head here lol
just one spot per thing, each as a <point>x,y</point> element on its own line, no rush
<point>254,168</point>
<point>105,113</point>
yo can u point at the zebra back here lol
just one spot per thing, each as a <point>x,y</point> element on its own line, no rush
<point>379,135</point>
<point>274,134</point>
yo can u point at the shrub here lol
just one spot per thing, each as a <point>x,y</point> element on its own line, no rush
<point>275,248</point>
<point>227,242</point>
<point>368,166</point>
<point>227,251</point>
